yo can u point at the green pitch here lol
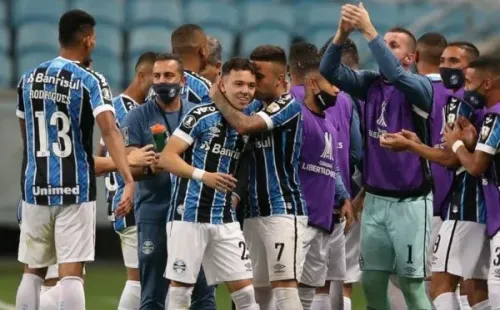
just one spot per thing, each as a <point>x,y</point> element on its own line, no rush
<point>104,283</point>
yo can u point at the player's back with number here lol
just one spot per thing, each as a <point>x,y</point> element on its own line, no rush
<point>58,101</point>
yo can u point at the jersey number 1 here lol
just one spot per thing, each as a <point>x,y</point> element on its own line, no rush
<point>62,133</point>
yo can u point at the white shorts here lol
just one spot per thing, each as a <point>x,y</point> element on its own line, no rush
<point>494,273</point>
<point>462,248</point>
<point>436,225</point>
<point>128,238</point>
<point>276,247</point>
<point>57,234</point>
<point>316,247</point>
<point>337,259</point>
<point>352,253</point>
<point>220,248</point>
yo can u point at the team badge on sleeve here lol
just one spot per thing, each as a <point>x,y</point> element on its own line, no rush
<point>273,108</point>
<point>189,121</point>
<point>125,134</point>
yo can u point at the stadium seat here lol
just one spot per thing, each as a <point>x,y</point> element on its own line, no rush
<point>156,39</point>
<point>212,14</point>
<point>226,38</point>
<point>4,40</point>
<point>30,60</point>
<point>33,11</point>
<point>318,16</point>
<point>264,36</point>
<point>166,13</point>
<point>111,68</point>
<point>271,15</point>
<point>107,12</point>
<point>109,41</point>
<point>6,72</point>
<point>37,37</point>
<point>319,37</point>
<point>4,14</point>
<point>385,15</point>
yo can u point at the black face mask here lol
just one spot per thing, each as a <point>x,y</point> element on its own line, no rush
<point>325,100</point>
<point>475,98</point>
<point>167,92</point>
<point>452,78</point>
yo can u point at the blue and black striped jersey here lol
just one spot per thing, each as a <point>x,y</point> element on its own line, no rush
<point>114,181</point>
<point>214,147</point>
<point>274,186</point>
<point>58,101</point>
<point>196,89</point>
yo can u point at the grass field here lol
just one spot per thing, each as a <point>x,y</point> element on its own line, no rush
<point>103,287</point>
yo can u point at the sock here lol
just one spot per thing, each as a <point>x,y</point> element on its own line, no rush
<point>494,293</point>
<point>72,295</point>
<point>306,295</point>
<point>244,299</point>
<point>44,288</point>
<point>321,302</point>
<point>464,302</point>
<point>396,297</point>
<point>414,293</point>
<point>446,301</point>
<point>179,298</point>
<point>287,298</point>
<point>483,305</point>
<point>375,288</point>
<point>265,298</point>
<point>131,296</point>
<point>347,303</point>
<point>336,294</point>
<point>28,292</point>
<point>50,298</point>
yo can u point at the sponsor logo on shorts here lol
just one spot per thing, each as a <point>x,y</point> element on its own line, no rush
<point>248,266</point>
<point>278,268</point>
<point>179,266</point>
<point>409,271</point>
<point>497,273</point>
<point>148,247</point>
<point>434,258</point>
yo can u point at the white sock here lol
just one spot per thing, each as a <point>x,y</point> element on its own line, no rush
<point>265,298</point>
<point>179,298</point>
<point>494,293</point>
<point>464,302</point>
<point>287,298</point>
<point>72,296</point>
<point>28,292</point>
<point>131,296</point>
<point>321,302</point>
<point>446,301</point>
<point>336,294</point>
<point>44,288</point>
<point>50,298</point>
<point>347,303</point>
<point>483,305</point>
<point>306,295</point>
<point>396,297</point>
<point>244,299</point>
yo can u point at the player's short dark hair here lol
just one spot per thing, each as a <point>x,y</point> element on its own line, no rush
<point>146,58</point>
<point>186,38</point>
<point>271,53</point>
<point>471,50</point>
<point>215,51</point>
<point>238,64</point>
<point>73,25</point>
<point>413,40</point>
<point>172,56</point>
<point>350,54</point>
<point>303,58</point>
<point>87,63</point>
<point>489,64</point>
<point>431,46</point>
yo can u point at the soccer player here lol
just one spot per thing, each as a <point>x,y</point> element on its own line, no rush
<point>214,62</point>
<point>132,97</point>
<point>57,103</point>
<point>482,88</point>
<point>277,219</point>
<point>152,202</point>
<point>397,189</point>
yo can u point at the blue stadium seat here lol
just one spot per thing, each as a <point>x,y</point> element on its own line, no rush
<point>262,36</point>
<point>156,39</point>
<point>270,15</point>
<point>385,15</point>
<point>319,37</point>
<point>226,38</point>
<point>109,41</point>
<point>6,72</point>
<point>41,37</point>
<point>31,59</point>
<point>166,13</point>
<point>108,12</point>
<point>317,16</point>
<point>32,11</point>
<point>212,14</point>
<point>3,13</point>
<point>111,68</point>
<point>4,40</point>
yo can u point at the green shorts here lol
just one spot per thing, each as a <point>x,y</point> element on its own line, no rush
<point>395,235</point>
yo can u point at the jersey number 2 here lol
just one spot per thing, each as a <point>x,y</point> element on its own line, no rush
<point>62,133</point>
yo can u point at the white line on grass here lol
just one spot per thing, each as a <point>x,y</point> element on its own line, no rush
<point>6,306</point>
